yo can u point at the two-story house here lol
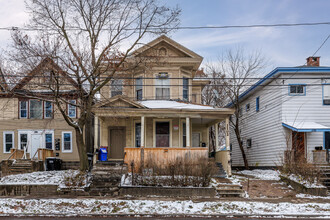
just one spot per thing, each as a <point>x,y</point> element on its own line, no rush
<point>155,110</point>
<point>287,110</point>
<point>30,121</point>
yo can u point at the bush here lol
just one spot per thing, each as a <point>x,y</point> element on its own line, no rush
<point>71,180</point>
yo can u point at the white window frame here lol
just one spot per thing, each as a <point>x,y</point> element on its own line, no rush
<point>185,89</point>
<point>162,86</point>
<point>134,133</point>
<point>27,109</point>
<point>63,150</point>
<point>138,89</point>
<point>53,139</point>
<point>4,141</point>
<point>19,138</point>
<point>73,101</point>
<point>42,109</point>
<point>154,131</point>
<point>51,114</point>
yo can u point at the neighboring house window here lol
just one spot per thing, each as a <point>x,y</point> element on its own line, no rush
<point>67,142</point>
<point>185,92</point>
<point>49,141</point>
<point>138,88</point>
<point>116,87</point>
<point>23,109</point>
<point>23,140</point>
<point>327,140</point>
<point>247,107</point>
<point>249,143</point>
<point>138,134</point>
<point>326,94</point>
<point>162,134</point>
<point>184,135</point>
<point>162,88</point>
<point>35,109</point>
<point>48,109</point>
<point>297,90</point>
<point>257,103</point>
<point>72,109</point>
<point>8,141</point>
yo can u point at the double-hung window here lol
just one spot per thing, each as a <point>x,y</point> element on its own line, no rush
<point>23,109</point>
<point>49,141</point>
<point>162,134</point>
<point>138,89</point>
<point>8,141</point>
<point>138,134</point>
<point>116,87</point>
<point>257,104</point>
<point>23,139</point>
<point>67,142</point>
<point>48,111</point>
<point>326,94</point>
<point>185,91</point>
<point>35,109</point>
<point>184,135</point>
<point>72,109</point>
<point>162,88</point>
<point>297,90</point>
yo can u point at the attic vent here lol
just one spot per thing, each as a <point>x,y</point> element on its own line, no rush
<point>163,75</point>
<point>162,52</point>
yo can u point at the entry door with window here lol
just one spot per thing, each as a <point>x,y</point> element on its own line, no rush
<point>35,144</point>
<point>117,143</point>
<point>162,134</point>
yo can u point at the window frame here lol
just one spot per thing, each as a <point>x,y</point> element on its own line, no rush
<point>72,106</point>
<point>249,143</point>
<point>185,88</point>
<point>51,109</point>
<point>71,147</point>
<point>297,94</point>
<point>19,139</point>
<point>154,131</point>
<point>42,109</point>
<point>4,141</point>
<point>247,107</point>
<point>135,133</point>
<point>161,86</point>
<point>45,140</point>
<point>324,84</point>
<point>114,85</point>
<point>27,109</point>
<point>138,89</point>
<point>258,104</point>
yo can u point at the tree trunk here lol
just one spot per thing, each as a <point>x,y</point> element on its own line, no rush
<point>81,150</point>
<point>238,137</point>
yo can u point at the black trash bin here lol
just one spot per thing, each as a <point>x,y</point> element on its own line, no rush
<point>58,164</point>
<point>50,163</point>
<point>90,160</point>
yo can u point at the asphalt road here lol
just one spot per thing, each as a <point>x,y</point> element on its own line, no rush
<point>144,218</point>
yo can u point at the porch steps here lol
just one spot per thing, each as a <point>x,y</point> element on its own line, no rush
<point>106,177</point>
<point>229,190</point>
<point>325,178</point>
<point>221,173</point>
<point>21,166</point>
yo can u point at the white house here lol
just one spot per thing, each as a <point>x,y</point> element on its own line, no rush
<point>288,109</point>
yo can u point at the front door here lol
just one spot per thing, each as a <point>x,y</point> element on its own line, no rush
<point>35,144</point>
<point>298,145</point>
<point>196,139</point>
<point>117,143</point>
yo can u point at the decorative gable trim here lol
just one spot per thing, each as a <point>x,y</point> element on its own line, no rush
<point>116,99</point>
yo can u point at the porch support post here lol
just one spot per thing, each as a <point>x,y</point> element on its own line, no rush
<point>216,135</point>
<point>227,134</point>
<point>142,131</point>
<point>188,131</point>
<point>96,135</point>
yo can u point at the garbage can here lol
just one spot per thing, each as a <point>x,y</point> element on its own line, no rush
<point>103,154</point>
<point>50,163</point>
<point>90,159</point>
<point>58,164</point>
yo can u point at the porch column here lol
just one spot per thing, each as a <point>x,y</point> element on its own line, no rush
<point>142,131</point>
<point>227,134</point>
<point>188,131</point>
<point>96,135</point>
<point>216,135</point>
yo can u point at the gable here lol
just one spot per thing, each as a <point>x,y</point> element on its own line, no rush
<point>164,49</point>
<point>118,102</point>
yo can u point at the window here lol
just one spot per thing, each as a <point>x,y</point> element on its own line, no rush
<point>249,143</point>
<point>162,88</point>
<point>138,88</point>
<point>138,134</point>
<point>327,140</point>
<point>23,109</point>
<point>8,141</point>
<point>48,109</point>
<point>162,134</point>
<point>72,109</point>
<point>35,109</point>
<point>297,90</point>
<point>257,104</point>
<point>23,141</point>
<point>116,87</point>
<point>49,141</point>
<point>247,107</point>
<point>67,142</point>
<point>326,94</point>
<point>185,92</point>
<point>184,135</point>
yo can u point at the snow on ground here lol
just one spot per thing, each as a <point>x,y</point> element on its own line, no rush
<point>307,184</point>
<point>41,178</point>
<point>307,196</point>
<point>100,206</point>
<point>262,174</point>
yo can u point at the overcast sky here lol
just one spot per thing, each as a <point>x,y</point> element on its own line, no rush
<point>283,46</point>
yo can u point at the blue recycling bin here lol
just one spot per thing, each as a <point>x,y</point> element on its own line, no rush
<point>103,154</point>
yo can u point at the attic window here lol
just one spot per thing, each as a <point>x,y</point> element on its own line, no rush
<point>162,52</point>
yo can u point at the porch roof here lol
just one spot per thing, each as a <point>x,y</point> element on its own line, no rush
<point>304,126</point>
<point>169,104</point>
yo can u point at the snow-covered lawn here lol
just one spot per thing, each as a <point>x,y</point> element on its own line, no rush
<point>307,184</point>
<point>99,206</point>
<point>262,174</point>
<point>40,178</point>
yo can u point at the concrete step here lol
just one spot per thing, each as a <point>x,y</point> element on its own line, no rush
<point>229,186</point>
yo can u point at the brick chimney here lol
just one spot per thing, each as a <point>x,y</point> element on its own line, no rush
<point>313,61</point>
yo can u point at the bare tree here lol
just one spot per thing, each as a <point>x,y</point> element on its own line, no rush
<point>84,38</point>
<point>234,71</point>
